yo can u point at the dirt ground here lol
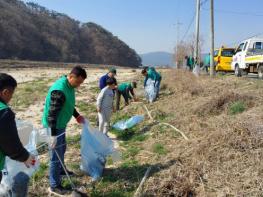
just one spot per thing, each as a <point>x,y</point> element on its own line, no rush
<point>28,102</point>
<point>221,117</point>
<point>33,111</point>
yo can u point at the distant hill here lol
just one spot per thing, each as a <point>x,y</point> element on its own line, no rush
<point>157,58</point>
<point>31,32</point>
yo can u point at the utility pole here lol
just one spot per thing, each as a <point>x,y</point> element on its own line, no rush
<point>177,41</point>
<point>212,38</point>
<point>196,54</point>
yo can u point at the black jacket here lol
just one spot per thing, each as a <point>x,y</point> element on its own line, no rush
<point>57,101</point>
<point>10,143</point>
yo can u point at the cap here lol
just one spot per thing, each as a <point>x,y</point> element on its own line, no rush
<point>113,70</point>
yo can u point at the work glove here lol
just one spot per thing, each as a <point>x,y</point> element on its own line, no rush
<point>80,119</point>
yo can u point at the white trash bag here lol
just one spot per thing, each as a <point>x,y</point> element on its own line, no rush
<point>24,129</point>
<point>150,90</point>
<point>95,147</point>
<point>14,168</point>
<point>44,136</point>
<point>196,70</point>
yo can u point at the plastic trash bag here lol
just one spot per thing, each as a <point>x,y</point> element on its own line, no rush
<point>44,136</point>
<point>15,171</point>
<point>150,90</point>
<point>95,147</point>
<point>24,129</point>
<point>196,70</point>
<point>126,124</point>
<point>5,190</point>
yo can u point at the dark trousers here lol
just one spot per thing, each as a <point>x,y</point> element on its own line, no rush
<point>0,176</point>
<point>118,98</point>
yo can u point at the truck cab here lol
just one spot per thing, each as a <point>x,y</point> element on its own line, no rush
<point>246,51</point>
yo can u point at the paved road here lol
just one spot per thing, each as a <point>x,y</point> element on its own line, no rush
<point>249,76</point>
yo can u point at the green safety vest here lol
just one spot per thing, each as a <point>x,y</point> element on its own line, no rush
<point>67,110</point>
<point>123,86</point>
<point>2,155</point>
<point>152,74</point>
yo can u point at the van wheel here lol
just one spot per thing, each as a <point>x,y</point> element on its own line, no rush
<point>260,72</point>
<point>237,71</point>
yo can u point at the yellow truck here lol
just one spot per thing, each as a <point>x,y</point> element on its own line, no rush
<point>223,58</point>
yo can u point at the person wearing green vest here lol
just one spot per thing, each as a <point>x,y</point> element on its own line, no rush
<point>58,110</point>
<point>151,73</point>
<point>10,144</point>
<point>190,62</point>
<point>125,89</point>
<point>207,62</point>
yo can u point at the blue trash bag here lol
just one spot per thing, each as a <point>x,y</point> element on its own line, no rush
<point>151,90</point>
<point>127,124</point>
<point>15,171</point>
<point>95,147</point>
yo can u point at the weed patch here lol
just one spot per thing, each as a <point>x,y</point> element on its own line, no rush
<point>159,149</point>
<point>130,152</point>
<point>41,173</point>
<point>237,107</point>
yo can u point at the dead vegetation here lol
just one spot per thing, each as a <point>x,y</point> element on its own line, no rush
<point>222,101</point>
<point>224,153</point>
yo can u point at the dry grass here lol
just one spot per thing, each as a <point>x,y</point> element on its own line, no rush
<point>224,154</point>
<point>221,102</point>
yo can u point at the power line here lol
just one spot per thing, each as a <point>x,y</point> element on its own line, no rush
<point>192,20</point>
<point>235,13</point>
<point>238,41</point>
<point>189,26</point>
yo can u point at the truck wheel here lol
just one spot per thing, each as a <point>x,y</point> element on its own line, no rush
<point>237,71</point>
<point>244,73</point>
<point>260,72</point>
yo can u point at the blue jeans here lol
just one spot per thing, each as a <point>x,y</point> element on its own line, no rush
<point>20,185</point>
<point>55,168</point>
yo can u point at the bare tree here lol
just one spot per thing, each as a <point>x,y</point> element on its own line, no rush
<point>186,48</point>
<point>191,46</point>
<point>180,51</point>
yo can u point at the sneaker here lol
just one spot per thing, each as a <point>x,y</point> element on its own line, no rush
<point>70,173</point>
<point>58,191</point>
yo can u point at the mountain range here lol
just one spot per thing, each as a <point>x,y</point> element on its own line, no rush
<point>159,58</point>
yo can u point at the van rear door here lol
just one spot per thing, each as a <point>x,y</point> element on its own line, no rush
<point>226,58</point>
